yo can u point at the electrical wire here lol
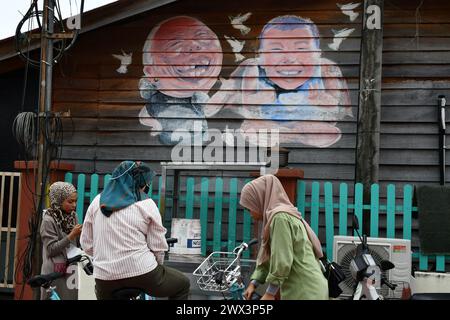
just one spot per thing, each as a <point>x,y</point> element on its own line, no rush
<point>25,130</point>
<point>23,39</point>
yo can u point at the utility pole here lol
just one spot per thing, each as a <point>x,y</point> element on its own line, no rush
<point>45,96</point>
<point>369,109</point>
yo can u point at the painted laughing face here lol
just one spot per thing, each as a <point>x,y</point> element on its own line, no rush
<point>184,57</point>
<point>288,57</point>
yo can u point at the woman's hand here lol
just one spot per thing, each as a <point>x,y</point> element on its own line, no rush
<point>76,231</point>
<point>249,291</point>
<point>268,296</point>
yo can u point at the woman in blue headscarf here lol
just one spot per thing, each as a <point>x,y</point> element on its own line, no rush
<point>126,186</point>
<point>123,232</point>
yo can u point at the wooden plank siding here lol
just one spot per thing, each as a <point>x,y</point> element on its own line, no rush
<point>105,128</point>
<point>409,129</point>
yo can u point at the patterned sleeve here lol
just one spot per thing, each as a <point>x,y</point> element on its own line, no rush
<point>50,239</point>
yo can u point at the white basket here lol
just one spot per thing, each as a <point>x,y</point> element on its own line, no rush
<point>218,266</point>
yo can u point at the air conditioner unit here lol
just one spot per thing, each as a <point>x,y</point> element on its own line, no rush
<point>398,251</point>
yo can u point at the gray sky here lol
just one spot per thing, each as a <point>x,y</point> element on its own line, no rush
<point>12,12</point>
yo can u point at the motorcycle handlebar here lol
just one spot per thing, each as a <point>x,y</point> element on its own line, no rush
<point>252,242</point>
<point>389,284</point>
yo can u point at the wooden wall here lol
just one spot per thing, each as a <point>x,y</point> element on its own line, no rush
<point>105,105</point>
<point>416,65</point>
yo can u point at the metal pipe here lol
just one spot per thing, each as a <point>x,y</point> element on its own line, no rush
<point>442,125</point>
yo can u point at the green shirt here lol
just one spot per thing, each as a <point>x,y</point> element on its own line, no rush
<point>292,264</point>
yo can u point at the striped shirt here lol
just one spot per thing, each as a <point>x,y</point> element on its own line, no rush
<point>129,243</point>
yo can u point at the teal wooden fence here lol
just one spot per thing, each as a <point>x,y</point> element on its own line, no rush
<point>315,207</point>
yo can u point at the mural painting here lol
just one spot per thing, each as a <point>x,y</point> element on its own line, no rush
<point>286,85</point>
<point>182,60</point>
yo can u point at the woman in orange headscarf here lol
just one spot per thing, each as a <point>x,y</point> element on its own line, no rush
<point>289,253</point>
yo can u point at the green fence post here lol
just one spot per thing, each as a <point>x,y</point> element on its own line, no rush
<point>81,183</point>
<point>315,199</point>
<point>440,263</point>
<point>106,179</point>
<point>190,183</point>
<point>217,240</point>
<point>68,177</point>
<point>247,228</point>
<point>150,190</point>
<point>232,214</point>
<point>159,194</point>
<point>423,262</point>
<point>301,193</point>
<point>374,209</point>
<point>390,211</point>
<point>359,206</point>
<point>204,212</point>
<point>343,208</point>
<point>407,211</point>
<point>329,215</point>
<point>94,187</point>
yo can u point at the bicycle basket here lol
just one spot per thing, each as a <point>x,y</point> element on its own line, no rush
<point>218,272</point>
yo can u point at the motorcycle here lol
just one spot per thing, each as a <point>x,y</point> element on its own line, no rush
<point>366,271</point>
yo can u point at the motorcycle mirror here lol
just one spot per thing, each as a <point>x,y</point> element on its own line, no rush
<point>386,265</point>
<point>355,223</point>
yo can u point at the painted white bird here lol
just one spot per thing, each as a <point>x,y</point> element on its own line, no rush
<point>237,46</point>
<point>339,36</point>
<point>347,9</point>
<point>237,21</point>
<point>125,61</point>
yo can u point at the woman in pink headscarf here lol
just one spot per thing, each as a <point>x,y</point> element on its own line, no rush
<point>289,252</point>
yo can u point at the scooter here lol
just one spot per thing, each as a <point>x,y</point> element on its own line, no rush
<point>366,272</point>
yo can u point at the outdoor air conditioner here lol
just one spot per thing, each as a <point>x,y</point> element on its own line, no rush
<point>398,251</point>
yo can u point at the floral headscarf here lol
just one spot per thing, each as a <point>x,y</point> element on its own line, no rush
<point>59,192</point>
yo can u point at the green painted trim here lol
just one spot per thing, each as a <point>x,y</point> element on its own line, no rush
<point>407,211</point>
<point>68,177</point>
<point>329,218</point>
<point>359,206</point>
<point>374,209</point>
<point>190,185</point>
<point>301,196</point>
<point>106,180</point>
<point>343,208</point>
<point>81,184</point>
<point>159,193</point>
<point>390,215</point>
<point>94,187</point>
<point>247,228</point>
<point>423,262</point>
<point>218,215</point>
<point>440,263</point>
<point>315,196</point>
<point>204,213</point>
<point>232,214</point>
